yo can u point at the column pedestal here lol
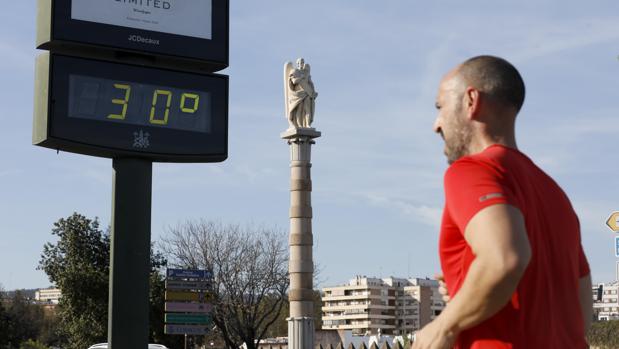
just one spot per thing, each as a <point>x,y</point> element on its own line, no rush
<point>301,333</point>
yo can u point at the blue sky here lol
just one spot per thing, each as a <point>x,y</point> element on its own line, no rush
<point>377,171</point>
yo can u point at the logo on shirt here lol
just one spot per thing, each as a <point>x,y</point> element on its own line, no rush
<point>490,196</point>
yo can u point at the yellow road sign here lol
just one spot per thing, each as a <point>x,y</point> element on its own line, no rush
<point>613,221</point>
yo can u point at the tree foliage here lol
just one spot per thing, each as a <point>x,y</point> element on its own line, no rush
<point>25,319</point>
<point>23,322</point>
<point>4,323</point>
<point>31,344</point>
<point>250,271</point>
<point>78,263</point>
<point>604,334</point>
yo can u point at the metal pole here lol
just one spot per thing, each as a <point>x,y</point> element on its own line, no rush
<point>130,254</point>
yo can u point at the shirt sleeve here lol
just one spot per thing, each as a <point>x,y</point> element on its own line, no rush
<point>583,264</point>
<point>472,185</point>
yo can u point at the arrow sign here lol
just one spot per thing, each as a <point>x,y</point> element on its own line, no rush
<point>186,285</point>
<point>188,307</point>
<point>185,329</point>
<point>201,319</point>
<point>613,221</point>
<point>188,274</point>
<point>187,296</point>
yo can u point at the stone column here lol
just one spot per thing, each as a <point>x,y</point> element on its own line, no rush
<point>301,267</point>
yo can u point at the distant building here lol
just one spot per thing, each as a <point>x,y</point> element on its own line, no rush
<point>606,301</point>
<point>389,306</point>
<point>48,295</point>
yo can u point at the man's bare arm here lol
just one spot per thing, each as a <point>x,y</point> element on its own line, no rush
<point>497,235</point>
<point>586,300</point>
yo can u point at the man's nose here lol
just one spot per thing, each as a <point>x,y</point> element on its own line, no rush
<point>437,126</point>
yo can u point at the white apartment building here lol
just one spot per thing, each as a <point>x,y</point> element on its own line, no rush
<point>606,301</point>
<point>390,306</point>
<point>48,295</point>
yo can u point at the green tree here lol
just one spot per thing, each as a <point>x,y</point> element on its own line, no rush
<point>4,322</point>
<point>30,344</point>
<point>78,263</point>
<point>24,320</point>
<point>49,330</point>
<point>604,334</point>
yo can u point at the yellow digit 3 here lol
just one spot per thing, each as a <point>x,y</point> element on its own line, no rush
<point>124,102</point>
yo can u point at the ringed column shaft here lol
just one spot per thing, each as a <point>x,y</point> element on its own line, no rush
<point>301,265</point>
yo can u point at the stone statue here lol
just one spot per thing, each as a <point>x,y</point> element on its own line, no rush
<point>300,94</point>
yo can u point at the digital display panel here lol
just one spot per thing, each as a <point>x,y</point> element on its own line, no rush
<point>179,17</point>
<point>108,109</point>
<point>135,103</point>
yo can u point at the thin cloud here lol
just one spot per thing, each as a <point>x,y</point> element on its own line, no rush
<point>428,215</point>
<point>559,36</point>
<point>12,172</point>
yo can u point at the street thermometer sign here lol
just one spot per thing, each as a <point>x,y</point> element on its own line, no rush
<point>104,92</point>
<point>133,80</point>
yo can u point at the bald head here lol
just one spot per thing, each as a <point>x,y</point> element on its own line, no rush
<point>496,78</point>
<point>477,105</point>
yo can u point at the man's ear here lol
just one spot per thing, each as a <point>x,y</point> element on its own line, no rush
<point>472,100</point>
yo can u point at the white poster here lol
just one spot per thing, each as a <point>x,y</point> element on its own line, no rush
<point>181,17</point>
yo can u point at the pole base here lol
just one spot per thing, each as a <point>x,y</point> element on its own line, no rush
<point>300,333</point>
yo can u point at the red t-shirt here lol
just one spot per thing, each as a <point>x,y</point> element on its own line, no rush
<point>544,312</point>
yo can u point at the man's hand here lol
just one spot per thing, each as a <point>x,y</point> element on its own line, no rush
<point>442,287</point>
<point>434,336</point>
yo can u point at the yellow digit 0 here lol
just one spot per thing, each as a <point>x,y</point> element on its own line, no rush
<point>196,102</point>
<point>124,102</point>
<point>168,95</point>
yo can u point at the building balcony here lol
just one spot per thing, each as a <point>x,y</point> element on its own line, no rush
<point>331,308</point>
<point>358,326</point>
<point>326,298</point>
<point>328,317</point>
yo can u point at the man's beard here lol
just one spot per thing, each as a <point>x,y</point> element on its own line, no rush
<point>458,144</point>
